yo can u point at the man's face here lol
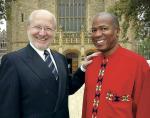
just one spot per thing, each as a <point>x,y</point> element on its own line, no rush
<point>41,31</point>
<point>104,34</point>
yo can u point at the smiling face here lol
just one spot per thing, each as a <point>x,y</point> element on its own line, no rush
<point>41,29</point>
<point>104,34</point>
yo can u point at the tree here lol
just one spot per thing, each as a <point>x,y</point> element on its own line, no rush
<point>2,10</point>
<point>136,11</point>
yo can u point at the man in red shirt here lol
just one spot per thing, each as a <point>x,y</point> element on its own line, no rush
<point>117,82</point>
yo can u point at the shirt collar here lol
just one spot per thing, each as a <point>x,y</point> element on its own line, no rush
<point>40,52</point>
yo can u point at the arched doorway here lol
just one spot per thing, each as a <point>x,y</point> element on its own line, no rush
<point>72,59</point>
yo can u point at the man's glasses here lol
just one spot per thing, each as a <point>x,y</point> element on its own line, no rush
<point>40,28</point>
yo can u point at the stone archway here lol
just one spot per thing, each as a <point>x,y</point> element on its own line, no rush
<point>72,58</point>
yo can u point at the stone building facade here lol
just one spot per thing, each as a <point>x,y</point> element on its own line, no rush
<point>3,43</point>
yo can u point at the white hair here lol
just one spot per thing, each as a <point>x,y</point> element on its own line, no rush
<point>42,11</point>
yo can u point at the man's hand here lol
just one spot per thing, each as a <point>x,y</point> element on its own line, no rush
<point>88,60</point>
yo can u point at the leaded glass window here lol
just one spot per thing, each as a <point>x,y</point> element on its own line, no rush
<point>71,14</point>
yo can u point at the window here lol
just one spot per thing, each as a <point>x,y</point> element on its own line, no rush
<point>71,14</point>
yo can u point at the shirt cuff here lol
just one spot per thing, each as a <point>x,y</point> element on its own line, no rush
<point>83,69</point>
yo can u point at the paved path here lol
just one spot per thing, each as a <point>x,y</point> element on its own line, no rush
<point>75,103</point>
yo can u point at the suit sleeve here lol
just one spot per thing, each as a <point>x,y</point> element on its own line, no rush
<point>9,89</point>
<point>75,81</point>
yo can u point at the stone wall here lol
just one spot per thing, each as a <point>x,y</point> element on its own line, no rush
<point>3,43</point>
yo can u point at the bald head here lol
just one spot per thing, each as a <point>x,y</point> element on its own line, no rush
<point>42,12</point>
<point>109,16</point>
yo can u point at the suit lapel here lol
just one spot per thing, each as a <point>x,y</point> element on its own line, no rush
<point>36,63</point>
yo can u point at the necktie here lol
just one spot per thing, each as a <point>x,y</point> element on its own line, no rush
<point>50,64</point>
<point>98,89</point>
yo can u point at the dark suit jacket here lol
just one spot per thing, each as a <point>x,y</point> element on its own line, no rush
<point>27,89</point>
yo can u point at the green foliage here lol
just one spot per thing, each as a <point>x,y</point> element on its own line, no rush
<point>125,26</point>
<point>133,9</point>
<point>2,10</point>
<point>136,11</point>
<point>144,48</point>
